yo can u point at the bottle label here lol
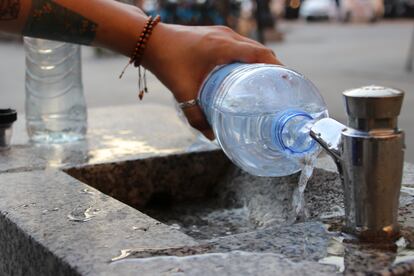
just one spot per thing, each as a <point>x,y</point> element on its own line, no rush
<point>211,84</point>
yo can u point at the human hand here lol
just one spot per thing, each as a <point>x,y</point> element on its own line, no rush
<point>182,57</point>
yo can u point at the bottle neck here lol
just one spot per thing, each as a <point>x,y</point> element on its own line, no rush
<point>290,132</point>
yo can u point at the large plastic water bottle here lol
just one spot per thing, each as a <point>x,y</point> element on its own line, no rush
<point>261,115</point>
<point>55,104</point>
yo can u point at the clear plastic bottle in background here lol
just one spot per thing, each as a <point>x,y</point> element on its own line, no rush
<point>261,115</point>
<point>55,103</point>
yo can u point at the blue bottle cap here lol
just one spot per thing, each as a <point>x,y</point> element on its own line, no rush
<point>278,126</point>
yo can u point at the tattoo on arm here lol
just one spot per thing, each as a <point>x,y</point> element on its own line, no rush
<point>9,9</point>
<point>50,20</point>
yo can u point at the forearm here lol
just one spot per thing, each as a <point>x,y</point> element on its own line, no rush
<point>105,23</point>
<point>180,56</point>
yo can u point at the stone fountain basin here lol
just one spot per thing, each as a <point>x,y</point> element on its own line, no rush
<point>205,196</point>
<point>193,212</point>
<point>227,211</point>
<point>128,201</point>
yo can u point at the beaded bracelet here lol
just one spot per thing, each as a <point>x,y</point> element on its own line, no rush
<point>138,53</point>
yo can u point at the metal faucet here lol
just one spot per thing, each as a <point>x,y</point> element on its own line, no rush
<point>369,154</point>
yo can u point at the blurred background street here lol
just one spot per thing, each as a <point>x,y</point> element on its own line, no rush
<point>335,55</point>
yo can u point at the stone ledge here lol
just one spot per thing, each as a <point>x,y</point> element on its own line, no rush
<point>36,207</point>
<point>114,134</point>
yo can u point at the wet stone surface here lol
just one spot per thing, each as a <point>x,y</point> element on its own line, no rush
<point>138,203</point>
<point>115,134</point>
<point>210,201</point>
<point>297,242</point>
<point>233,263</point>
<point>20,158</point>
<point>242,213</point>
<point>42,213</point>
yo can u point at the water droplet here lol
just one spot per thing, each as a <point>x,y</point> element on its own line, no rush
<point>337,261</point>
<point>139,228</point>
<point>175,226</point>
<point>28,205</point>
<point>408,190</point>
<point>81,215</point>
<point>124,254</point>
<point>336,211</point>
<point>87,191</point>
<point>176,270</point>
<point>401,243</point>
<point>45,211</point>
<point>165,251</point>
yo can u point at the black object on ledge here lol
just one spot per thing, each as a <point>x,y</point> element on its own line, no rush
<point>7,118</point>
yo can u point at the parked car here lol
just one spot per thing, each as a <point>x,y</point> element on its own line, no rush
<point>318,9</point>
<point>361,10</point>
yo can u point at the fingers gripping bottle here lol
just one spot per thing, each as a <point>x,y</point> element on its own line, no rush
<point>261,115</point>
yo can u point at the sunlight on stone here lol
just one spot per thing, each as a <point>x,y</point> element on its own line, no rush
<point>116,147</point>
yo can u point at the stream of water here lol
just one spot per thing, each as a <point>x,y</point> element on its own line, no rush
<point>298,198</point>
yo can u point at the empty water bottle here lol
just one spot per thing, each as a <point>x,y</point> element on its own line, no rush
<point>261,115</point>
<point>55,104</point>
